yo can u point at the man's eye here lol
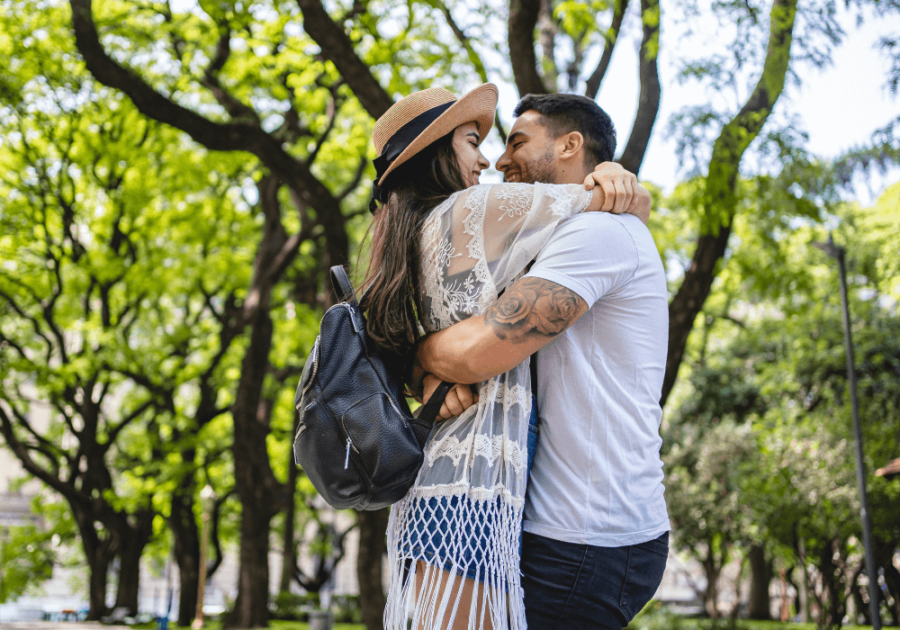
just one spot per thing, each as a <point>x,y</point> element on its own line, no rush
<point>516,145</point>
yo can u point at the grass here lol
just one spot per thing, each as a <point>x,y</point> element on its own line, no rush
<point>274,625</point>
<point>654,621</point>
<point>664,621</point>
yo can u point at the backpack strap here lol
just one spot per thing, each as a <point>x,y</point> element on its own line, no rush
<point>342,285</point>
<point>433,407</point>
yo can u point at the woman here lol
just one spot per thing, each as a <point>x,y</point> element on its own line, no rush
<point>443,247</point>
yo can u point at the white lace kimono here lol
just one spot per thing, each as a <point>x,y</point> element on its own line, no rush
<point>464,513</point>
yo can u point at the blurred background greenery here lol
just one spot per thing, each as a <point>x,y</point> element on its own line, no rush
<point>176,177</point>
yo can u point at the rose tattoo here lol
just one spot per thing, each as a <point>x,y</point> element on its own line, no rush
<point>534,306</point>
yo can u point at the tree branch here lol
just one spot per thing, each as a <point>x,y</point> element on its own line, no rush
<point>357,177</point>
<point>333,107</point>
<point>337,48</point>
<point>474,57</point>
<point>720,198</point>
<point>131,417</point>
<point>611,36</point>
<point>21,451</point>
<point>44,446</point>
<point>235,108</point>
<point>523,16</point>
<point>283,373</point>
<point>648,101</point>
<point>215,136</point>
<point>34,323</point>
<point>547,31</point>
<point>214,538</point>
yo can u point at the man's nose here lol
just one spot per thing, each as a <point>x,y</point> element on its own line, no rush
<point>503,163</point>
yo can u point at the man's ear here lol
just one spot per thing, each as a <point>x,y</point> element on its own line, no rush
<point>570,145</point>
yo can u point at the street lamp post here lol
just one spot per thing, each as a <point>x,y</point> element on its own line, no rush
<point>837,252</point>
<point>207,498</point>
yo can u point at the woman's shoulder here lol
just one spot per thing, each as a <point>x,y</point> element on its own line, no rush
<point>461,197</point>
<point>481,191</point>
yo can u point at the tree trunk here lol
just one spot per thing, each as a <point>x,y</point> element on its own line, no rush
<point>738,584</point>
<point>99,553</point>
<point>98,565</point>
<point>134,540</point>
<point>337,48</point>
<point>251,606</point>
<point>254,481</point>
<point>884,554</point>
<point>803,593</point>
<point>523,17</point>
<point>372,547</point>
<point>648,101</point>
<point>760,578</point>
<point>547,39</point>
<point>129,577</point>
<point>289,545</point>
<point>832,595</point>
<point>892,580</point>
<point>258,490</point>
<point>711,594</point>
<point>859,606</point>
<point>187,549</point>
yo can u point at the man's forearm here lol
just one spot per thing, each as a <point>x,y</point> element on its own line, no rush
<point>462,353</point>
<point>528,316</point>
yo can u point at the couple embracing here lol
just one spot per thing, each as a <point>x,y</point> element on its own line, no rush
<point>540,501</point>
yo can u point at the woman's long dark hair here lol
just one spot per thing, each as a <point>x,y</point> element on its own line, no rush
<point>416,187</point>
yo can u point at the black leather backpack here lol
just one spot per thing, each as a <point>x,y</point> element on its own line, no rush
<point>357,440</point>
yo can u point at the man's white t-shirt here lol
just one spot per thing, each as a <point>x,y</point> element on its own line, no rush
<point>597,477</point>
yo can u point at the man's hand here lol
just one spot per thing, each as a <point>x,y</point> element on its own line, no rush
<point>621,191</point>
<point>459,398</point>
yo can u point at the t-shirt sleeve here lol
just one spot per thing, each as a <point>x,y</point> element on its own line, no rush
<point>592,254</point>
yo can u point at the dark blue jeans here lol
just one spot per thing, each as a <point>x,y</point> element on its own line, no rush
<point>583,587</point>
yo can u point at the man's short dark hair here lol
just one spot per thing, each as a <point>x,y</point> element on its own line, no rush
<point>565,113</point>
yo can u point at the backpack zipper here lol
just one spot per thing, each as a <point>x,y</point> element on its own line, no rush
<point>350,445</point>
<point>350,315</point>
<point>312,375</point>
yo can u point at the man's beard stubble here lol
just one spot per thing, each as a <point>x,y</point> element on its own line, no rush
<point>540,171</point>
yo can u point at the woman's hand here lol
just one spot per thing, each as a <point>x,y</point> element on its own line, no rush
<point>617,190</point>
<point>459,398</point>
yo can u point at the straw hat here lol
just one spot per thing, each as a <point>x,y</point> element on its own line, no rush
<point>421,118</point>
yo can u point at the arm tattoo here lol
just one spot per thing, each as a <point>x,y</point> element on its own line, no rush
<point>534,307</point>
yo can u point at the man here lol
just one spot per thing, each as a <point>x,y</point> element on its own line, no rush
<point>594,309</point>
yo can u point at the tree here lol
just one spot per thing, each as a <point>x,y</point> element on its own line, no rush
<point>291,89</point>
<point>39,307</point>
<point>771,360</point>
<point>29,554</point>
<point>101,212</point>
